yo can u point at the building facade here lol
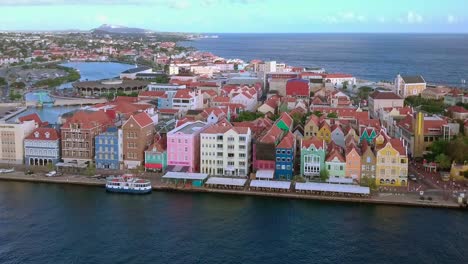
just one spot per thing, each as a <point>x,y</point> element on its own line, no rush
<point>12,141</point>
<point>109,149</point>
<point>78,134</point>
<point>183,147</point>
<point>312,157</point>
<point>226,150</point>
<point>285,153</point>
<point>391,163</point>
<point>138,135</point>
<point>409,85</point>
<point>42,147</point>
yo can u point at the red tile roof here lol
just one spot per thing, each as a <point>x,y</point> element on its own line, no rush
<point>318,143</point>
<point>89,119</point>
<point>34,117</point>
<point>287,142</point>
<point>297,87</point>
<point>44,133</point>
<point>384,95</point>
<point>142,119</point>
<point>457,109</point>
<point>151,94</point>
<point>183,93</point>
<point>221,99</point>
<point>398,145</point>
<point>335,153</point>
<point>272,135</point>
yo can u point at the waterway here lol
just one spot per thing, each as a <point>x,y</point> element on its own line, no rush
<point>41,223</point>
<point>89,71</point>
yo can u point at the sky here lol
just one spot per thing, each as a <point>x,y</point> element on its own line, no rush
<point>240,16</point>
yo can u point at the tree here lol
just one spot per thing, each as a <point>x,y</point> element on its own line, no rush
<point>248,116</point>
<point>317,113</point>
<point>2,81</point>
<point>18,85</point>
<point>443,161</point>
<point>457,149</point>
<point>324,175</point>
<point>345,85</point>
<point>299,178</point>
<point>364,91</point>
<point>369,182</point>
<point>332,115</point>
<point>91,169</point>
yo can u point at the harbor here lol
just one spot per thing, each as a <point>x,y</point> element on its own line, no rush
<point>397,199</point>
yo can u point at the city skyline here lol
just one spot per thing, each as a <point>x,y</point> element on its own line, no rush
<point>244,16</point>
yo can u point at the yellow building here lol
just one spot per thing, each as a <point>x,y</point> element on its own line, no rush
<point>391,163</point>
<point>409,85</point>
<point>312,127</point>
<point>457,171</point>
<point>324,132</point>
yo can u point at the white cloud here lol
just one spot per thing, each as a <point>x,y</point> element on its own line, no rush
<point>345,17</point>
<point>451,19</point>
<point>414,18</point>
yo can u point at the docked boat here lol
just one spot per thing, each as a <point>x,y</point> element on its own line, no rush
<point>128,183</point>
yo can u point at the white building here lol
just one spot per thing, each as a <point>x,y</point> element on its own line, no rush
<point>225,150</point>
<point>165,87</point>
<point>173,69</point>
<point>270,66</point>
<point>12,141</point>
<point>186,99</point>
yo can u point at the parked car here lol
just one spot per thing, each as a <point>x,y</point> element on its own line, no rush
<point>51,174</point>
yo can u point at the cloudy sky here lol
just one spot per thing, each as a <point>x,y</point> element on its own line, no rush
<point>444,16</point>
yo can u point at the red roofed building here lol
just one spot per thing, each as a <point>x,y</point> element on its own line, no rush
<point>338,79</point>
<point>285,153</point>
<point>420,130</point>
<point>78,133</point>
<point>42,147</point>
<point>298,88</point>
<point>458,112</point>
<point>138,135</point>
<point>34,116</point>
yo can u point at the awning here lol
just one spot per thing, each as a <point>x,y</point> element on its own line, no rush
<point>153,166</point>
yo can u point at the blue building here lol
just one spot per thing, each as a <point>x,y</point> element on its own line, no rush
<point>109,149</point>
<point>285,152</point>
<point>166,101</point>
<point>42,147</point>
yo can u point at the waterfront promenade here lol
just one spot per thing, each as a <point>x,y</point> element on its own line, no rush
<point>399,199</point>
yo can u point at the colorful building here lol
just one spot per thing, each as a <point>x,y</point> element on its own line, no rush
<point>183,147</point>
<point>42,147</point>
<point>264,149</point>
<point>353,162</point>
<point>138,135</point>
<point>337,135</point>
<point>156,155</point>
<point>312,157</point>
<point>78,134</point>
<point>109,149</point>
<point>312,126</point>
<point>391,163</point>
<point>325,132</point>
<point>367,161</point>
<point>226,150</point>
<point>335,162</point>
<point>409,85</point>
<point>12,141</point>
<point>285,153</point>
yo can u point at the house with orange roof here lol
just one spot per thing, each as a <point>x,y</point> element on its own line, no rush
<point>285,122</point>
<point>458,112</point>
<point>367,161</point>
<point>313,152</point>
<point>138,135</point>
<point>264,148</point>
<point>246,99</point>
<point>42,147</point>
<point>156,155</point>
<point>353,162</point>
<point>335,161</point>
<point>225,150</point>
<point>391,163</point>
<point>312,126</point>
<point>186,99</point>
<point>270,105</point>
<point>285,153</point>
<point>78,134</point>
<point>420,130</point>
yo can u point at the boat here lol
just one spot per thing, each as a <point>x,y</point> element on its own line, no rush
<point>128,183</point>
<point>7,170</point>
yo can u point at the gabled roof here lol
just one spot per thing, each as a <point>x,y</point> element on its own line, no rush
<point>34,117</point>
<point>398,145</point>
<point>272,135</point>
<point>287,141</point>
<point>413,79</point>
<point>335,153</point>
<point>384,95</point>
<point>286,118</point>
<point>183,93</point>
<point>88,119</point>
<point>457,109</point>
<point>142,119</point>
<point>43,133</point>
<point>316,142</point>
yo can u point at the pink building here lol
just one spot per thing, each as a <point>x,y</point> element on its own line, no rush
<point>183,147</point>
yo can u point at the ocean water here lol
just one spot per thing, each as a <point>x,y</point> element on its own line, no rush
<point>42,223</point>
<point>439,58</point>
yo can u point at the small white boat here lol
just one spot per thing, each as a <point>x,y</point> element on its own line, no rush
<point>7,170</point>
<point>128,183</point>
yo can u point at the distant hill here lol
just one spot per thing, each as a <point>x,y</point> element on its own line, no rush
<point>113,29</point>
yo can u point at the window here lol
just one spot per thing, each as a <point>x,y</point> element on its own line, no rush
<point>368,160</point>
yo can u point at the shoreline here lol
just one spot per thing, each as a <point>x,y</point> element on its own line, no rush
<point>85,181</point>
